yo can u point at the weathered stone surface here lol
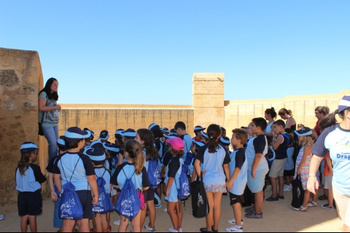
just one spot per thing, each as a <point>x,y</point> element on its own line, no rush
<point>8,78</point>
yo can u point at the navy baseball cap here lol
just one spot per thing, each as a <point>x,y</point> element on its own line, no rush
<point>129,134</point>
<point>344,103</point>
<point>305,131</point>
<point>198,128</point>
<point>29,146</point>
<point>76,133</point>
<point>198,143</point>
<point>225,141</point>
<point>104,135</point>
<point>95,154</point>
<point>111,147</point>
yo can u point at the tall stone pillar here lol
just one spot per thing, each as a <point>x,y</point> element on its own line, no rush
<point>208,99</point>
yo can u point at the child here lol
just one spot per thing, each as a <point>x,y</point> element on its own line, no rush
<point>225,143</point>
<point>289,165</point>
<point>134,168</point>
<point>257,165</point>
<point>180,129</point>
<point>307,138</point>
<point>28,183</point>
<point>279,145</point>
<point>146,138</point>
<point>211,163</point>
<point>172,175</point>
<point>98,157</point>
<point>104,135</point>
<point>75,167</point>
<point>197,133</point>
<point>57,221</point>
<point>236,184</point>
<point>328,175</point>
<point>194,149</point>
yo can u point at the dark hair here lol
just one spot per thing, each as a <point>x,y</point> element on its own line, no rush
<point>148,138</point>
<point>47,89</point>
<point>241,134</point>
<point>23,163</point>
<point>180,125</point>
<point>134,150</point>
<point>157,133</point>
<point>177,153</point>
<point>71,143</point>
<point>329,120</point>
<point>214,132</point>
<point>260,122</point>
<point>271,111</point>
<point>322,109</point>
<point>279,123</point>
<point>284,111</point>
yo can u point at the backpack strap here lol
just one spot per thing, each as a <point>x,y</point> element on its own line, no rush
<point>126,175</point>
<point>72,172</point>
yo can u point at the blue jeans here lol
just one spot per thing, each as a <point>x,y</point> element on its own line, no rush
<point>51,135</point>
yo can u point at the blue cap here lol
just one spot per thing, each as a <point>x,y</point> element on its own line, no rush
<point>95,154</point>
<point>198,143</point>
<point>111,147</point>
<point>225,141</point>
<point>129,133</point>
<point>76,133</point>
<point>204,135</point>
<point>104,135</point>
<point>29,145</point>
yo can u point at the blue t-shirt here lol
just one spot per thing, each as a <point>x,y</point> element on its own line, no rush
<point>336,141</point>
<point>257,145</point>
<point>31,180</point>
<point>238,160</point>
<point>104,173</point>
<point>140,181</point>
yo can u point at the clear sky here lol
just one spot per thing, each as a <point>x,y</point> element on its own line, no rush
<point>147,51</point>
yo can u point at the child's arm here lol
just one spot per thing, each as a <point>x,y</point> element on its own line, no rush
<point>194,175</point>
<point>330,165</point>
<point>197,167</point>
<point>227,171</point>
<point>170,182</point>
<point>276,143</point>
<point>229,183</point>
<point>53,193</point>
<point>57,181</point>
<point>256,162</point>
<point>94,189</point>
<point>307,151</point>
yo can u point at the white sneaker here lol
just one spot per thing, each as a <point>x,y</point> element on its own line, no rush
<point>2,217</point>
<point>165,209</point>
<point>180,229</point>
<point>287,188</point>
<point>234,228</point>
<point>117,222</point>
<point>171,229</point>
<point>233,221</point>
<point>151,229</point>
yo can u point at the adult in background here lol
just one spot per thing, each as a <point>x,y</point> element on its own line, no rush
<point>48,114</point>
<point>335,140</point>
<point>320,113</point>
<point>286,115</point>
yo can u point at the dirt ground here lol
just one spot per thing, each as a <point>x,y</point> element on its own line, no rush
<point>277,216</point>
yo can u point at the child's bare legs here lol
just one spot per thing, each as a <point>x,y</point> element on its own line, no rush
<point>32,223</point>
<point>330,198</point>
<point>179,213</point>
<point>214,201</point>
<point>100,223</point>
<point>152,213</point>
<point>274,186</point>
<point>237,211</point>
<point>314,199</point>
<point>83,225</point>
<point>171,209</point>
<point>124,223</point>
<point>289,180</point>
<point>306,197</point>
<point>209,217</point>
<point>259,199</point>
<point>280,185</point>
<point>217,210</point>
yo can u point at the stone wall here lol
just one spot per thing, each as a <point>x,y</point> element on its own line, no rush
<point>20,80</point>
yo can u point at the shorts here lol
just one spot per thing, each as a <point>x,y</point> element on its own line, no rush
<point>343,206</point>
<point>234,199</point>
<point>216,188</point>
<point>173,194</point>
<point>57,221</point>
<point>149,195</point>
<point>289,172</point>
<point>257,184</point>
<point>277,168</point>
<point>29,203</point>
<point>328,182</point>
<point>86,201</point>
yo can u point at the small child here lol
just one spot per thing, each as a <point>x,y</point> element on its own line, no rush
<point>133,168</point>
<point>198,135</point>
<point>238,178</point>
<point>172,176</point>
<point>289,165</point>
<point>328,175</point>
<point>98,158</point>
<point>180,129</point>
<point>307,138</point>
<point>28,183</point>
<point>104,135</point>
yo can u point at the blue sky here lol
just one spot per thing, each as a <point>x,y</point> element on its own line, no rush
<point>146,52</point>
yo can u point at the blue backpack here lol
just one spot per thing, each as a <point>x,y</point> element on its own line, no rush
<point>70,205</point>
<point>128,203</point>
<point>104,204</point>
<point>153,173</point>
<point>184,191</point>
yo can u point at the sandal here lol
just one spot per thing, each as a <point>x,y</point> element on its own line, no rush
<point>301,209</point>
<point>312,204</point>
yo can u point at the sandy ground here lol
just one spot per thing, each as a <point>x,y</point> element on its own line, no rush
<point>277,216</point>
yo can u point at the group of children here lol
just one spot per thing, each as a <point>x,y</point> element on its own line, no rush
<point>84,162</point>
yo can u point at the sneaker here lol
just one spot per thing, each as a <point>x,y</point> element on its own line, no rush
<point>165,209</point>
<point>148,228</point>
<point>249,209</point>
<point>272,198</point>
<point>2,217</point>
<point>234,228</point>
<point>171,229</point>
<point>180,229</point>
<point>233,221</point>
<point>301,209</point>
<point>326,206</point>
<point>117,222</point>
<point>312,204</point>
<point>254,215</point>
<point>287,188</point>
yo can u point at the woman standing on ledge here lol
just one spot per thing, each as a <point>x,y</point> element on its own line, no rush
<point>48,114</point>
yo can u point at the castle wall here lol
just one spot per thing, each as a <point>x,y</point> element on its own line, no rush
<point>20,80</point>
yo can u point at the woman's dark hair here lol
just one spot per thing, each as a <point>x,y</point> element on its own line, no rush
<point>214,133</point>
<point>47,89</point>
<point>322,109</point>
<point>148,138</point>
<point>330,120</point>
<point>272,112</point>
<point>23,163</point>
<point>284,111</point>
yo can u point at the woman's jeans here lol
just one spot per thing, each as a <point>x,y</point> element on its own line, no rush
<point>51,135</point>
